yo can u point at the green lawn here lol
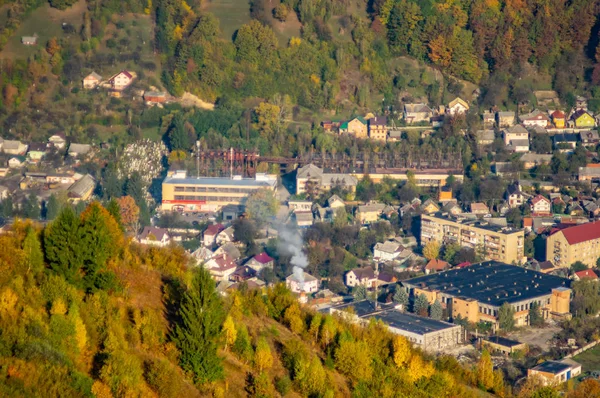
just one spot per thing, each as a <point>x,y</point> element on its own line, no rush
<point>590,359</point>
<point>46,22</point>
<point>231,14</point>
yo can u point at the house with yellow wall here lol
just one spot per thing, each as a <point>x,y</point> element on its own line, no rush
<point>583,119</point>
<point>356,127</point>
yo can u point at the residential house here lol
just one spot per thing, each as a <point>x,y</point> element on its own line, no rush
<point>505,119</point>
<point>361,277</point>
<point>457,106</point>
<point>485,137</point>
<point>585,274</point>
<point>452,208</point>
<point>445,195</point>
<point>437,121</point>
<point>58,141</point>
<point>312,180</point>
<point>29,40</point>
<point>79,150</point>
<point>514,196</point>
<point>155,97</point>
<point>82,189</point>
<point>583,119</point>
<point>260,262</point>
<point>329,125</point>
<point>61,178</point>
<point>233,211</point>
<point>300,205</point>
<point>565,141</point>
<point>357,127</point>
<point>429,207</point>
<point>36,152</point>
<point>370,212</point>
<point>16,162</point>
<point>531,160</point>
<point>415,113</point>
<point>225,236</point>
<point>121,80</point>
<point>541,205</point>
<point>394,135</point>
<point>535,118</point>
<point>378,128</point>
<point>488,118</point>
<point>230,249</point>
<point>242,274</point>
<point>154,236</point>
<point>589,138</point>
<point>559,119</point>
<point>304,219</point>
<point>574,209</point>
<point>554,373</point>
<point>387,251</point>
<point>11,147</point>
<point>516,138</point>
<point>221,267</point>
<point>479,209</point>
<point>91,81</point>
<point>335,202</point>
<point>575,243</point>
<point>581,102</point>
<point>591,172</point>
<point>202,255</point>
<point>436,265</point>
<point>301,282</point>
<point>209,236</point>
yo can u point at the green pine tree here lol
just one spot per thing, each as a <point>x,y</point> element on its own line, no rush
<point>52,207</point>
<point>436,311</point>
<point>197,334</point>
<point>178,137</point>
<point>31,207</point>
<point>401,296</point>
<point>62,245</point>
<point>360,293</point>
<point>506,317</point>
<point>421,305</point>
<point>115,211</point>
<point>6,207</point>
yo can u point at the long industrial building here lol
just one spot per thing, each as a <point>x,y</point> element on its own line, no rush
<point>183,193</point>
<point>497,243</point>
<point>477,292</point>
<point>429,334</point>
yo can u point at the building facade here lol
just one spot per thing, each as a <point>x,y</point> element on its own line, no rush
<point>182,193</point>
<point>577,243</point>
<point>497,243</point>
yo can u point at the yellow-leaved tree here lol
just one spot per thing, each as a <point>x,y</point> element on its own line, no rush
<point>431,251</point>
<point>418,368</point>
<point>263,359</point>
<point>293,319</point>
<point>401,350</point>
<point>485,371</point>
<point>229,332</point>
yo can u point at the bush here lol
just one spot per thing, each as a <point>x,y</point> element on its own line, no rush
<point>283,385</point>
<point>281,12</point>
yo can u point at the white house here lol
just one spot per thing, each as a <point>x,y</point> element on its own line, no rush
<point>300,205</point>
<point>11,147</point>
<point>260,262</point>
<point>457,106</point>
<point>225,236</point>
<point>517,132</point>
<point>387,251</point>
<point>361,277</point>
<point>209,235</point>
<point>57,141</point>
<point>91,81</point>
<point>154,236</point>
<point>121,80</point>
<point>541,205</point>
<point>16,162</point>
<point>535,118</point>
<point>202,255</point>
<point>514,196</point>
<point>221,267</point>
<point>554,373</point>
<point>302,284</point>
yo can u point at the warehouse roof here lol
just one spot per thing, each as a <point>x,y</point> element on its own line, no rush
<point>553,367</point>
<point>490,282</point>
<point>410,322</point>
<point>224,181</point>
<point>502,341</point>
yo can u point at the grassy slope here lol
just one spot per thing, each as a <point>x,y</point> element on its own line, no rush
<point>590,359</point>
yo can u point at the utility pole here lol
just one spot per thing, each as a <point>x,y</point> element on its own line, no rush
<point>231,163</point>
<point>376,286</point>
<point>197,159</point>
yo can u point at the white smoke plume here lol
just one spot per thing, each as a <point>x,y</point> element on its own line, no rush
<point>290,243</point>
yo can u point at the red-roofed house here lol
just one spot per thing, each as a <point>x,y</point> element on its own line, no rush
<point>260,261</point>
<point>436,266</point>
<point>463,265</point>
<point>577,243</point>
<point>221,267</point>
<point>585,274</point>
<point>210,234</point>
<point>121,80</point>
<point>528,223</point>
<point>541,205</point>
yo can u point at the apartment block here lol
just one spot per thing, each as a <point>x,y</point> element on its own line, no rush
<point>477,292</point>
<point>496,242</point>
<point>577,243</point>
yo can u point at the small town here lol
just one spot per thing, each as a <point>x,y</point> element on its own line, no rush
<point>512,272</point>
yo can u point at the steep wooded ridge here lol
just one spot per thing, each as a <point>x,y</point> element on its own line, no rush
<point>86,312</point>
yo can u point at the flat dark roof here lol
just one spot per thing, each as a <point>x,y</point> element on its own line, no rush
<point>362,308</point>
<point>473,222</point>
<point>502,341</point>
<point>553,367</point>
<point>410,322</point>
<point>490,282</point>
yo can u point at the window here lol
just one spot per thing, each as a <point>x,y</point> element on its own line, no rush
<point>178,189</point>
